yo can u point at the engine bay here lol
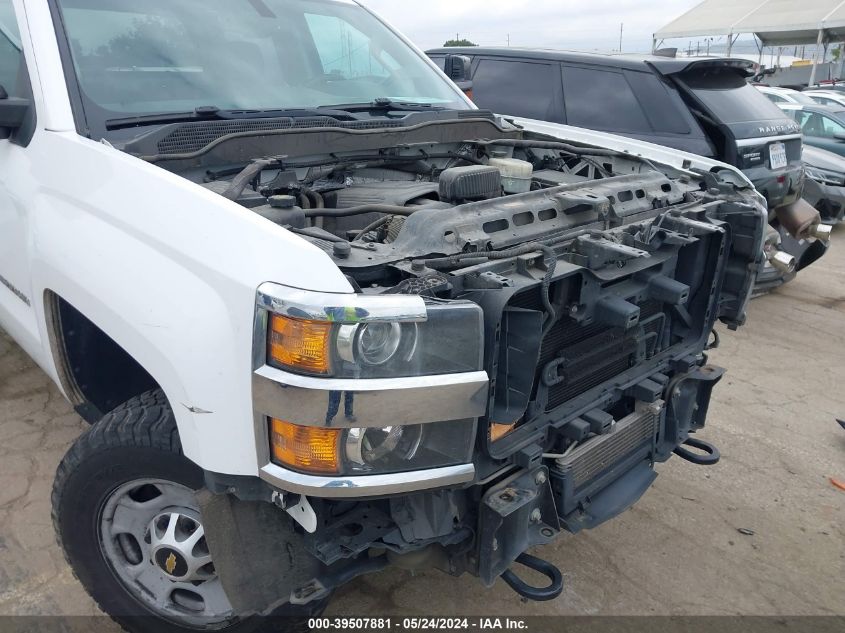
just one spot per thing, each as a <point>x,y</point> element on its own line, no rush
<point>600,277</point>
<point>384,218</point>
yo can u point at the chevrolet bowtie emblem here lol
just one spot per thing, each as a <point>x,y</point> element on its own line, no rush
<point>170,563</point>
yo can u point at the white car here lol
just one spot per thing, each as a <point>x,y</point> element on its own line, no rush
<point>783,95</point>
<point>324,316</point>
<point>826,97</point>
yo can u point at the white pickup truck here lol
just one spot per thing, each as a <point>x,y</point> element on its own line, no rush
<point>324,316</point>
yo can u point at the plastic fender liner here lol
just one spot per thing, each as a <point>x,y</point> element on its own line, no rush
<point>259,557</point>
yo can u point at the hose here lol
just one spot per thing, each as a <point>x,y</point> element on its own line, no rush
<point>316,201</point>
<point>556,145</point>
<point>372,227</point>
<point>246,176</point>
<point>389,209</point>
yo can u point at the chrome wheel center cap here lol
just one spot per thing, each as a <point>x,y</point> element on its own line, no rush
<point>178,548</point>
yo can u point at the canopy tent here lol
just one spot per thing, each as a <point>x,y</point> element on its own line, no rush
<point>774,22</point>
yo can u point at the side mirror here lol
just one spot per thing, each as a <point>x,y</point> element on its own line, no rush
<point>459,69</point>
<point>840,136</point>
<point>13,113</point>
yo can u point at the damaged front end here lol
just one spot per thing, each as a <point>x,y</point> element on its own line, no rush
<point>525,340</point>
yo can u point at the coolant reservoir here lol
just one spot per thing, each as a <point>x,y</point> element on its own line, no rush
<point>516,174</point>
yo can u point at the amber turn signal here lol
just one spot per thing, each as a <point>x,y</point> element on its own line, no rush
<point>305,448</point>
<point>498,431</point>
<point>300,345</point>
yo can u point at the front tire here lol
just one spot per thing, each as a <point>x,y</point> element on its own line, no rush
<point>126,515</point>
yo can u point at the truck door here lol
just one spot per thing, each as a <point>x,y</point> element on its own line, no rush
<point>16,301</point>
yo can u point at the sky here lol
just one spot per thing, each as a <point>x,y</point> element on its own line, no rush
<point>563,24</point>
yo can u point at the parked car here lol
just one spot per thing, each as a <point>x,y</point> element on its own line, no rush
<point>784,95</point>
<point>828,87</point>
<point>824,187</point>
<point>822,126</point>
<point>356,329</point>
<point>827,97</point>
<point>703,106</point>
<point>836,100</point>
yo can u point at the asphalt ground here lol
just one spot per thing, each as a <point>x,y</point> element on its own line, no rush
<point>761,533</point>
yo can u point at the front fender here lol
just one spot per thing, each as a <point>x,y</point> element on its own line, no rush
<point>169,271</point>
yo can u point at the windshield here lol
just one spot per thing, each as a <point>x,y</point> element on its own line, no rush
<point>730,98</point>
<point>161,56</point>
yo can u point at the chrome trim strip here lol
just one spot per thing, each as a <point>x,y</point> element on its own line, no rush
<point>379,402</point>
<point>367,485</point>
<point>765,140</point>
<point>259,339</point>
<point>340,308</point>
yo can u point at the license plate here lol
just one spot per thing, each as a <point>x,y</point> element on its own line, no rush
<point>777,155</point>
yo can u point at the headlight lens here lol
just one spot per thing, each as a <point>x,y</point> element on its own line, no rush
<point>378,342</point>
<point>369,447</point>
<point>363,451</point>
<point>449,341</point>
<point>374,344</point>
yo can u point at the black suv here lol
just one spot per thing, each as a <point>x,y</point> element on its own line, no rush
<point>702,106</point>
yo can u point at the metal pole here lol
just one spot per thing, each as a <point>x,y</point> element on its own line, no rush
<point>841,61</point>
<point>621,28</point>
<point>730,43</point>
<point>816,57</point>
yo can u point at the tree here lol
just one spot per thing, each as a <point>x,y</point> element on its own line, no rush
<point>460,42</point>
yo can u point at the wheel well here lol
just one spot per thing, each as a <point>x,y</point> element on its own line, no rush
<point>97,373</point>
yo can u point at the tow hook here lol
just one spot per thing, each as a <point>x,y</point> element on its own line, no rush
<point>710,457</point>
<point>538,594</point>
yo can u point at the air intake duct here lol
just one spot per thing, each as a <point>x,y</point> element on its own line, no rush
<point>476,182</point>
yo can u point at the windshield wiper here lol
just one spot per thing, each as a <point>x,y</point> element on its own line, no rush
<point>383,104</point>
<point>213,113</point>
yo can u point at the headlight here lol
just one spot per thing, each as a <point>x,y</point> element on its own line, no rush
<point>343,341</point>
<point>373,344</point>
<point>362,451</point>
<point>447,341</point>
